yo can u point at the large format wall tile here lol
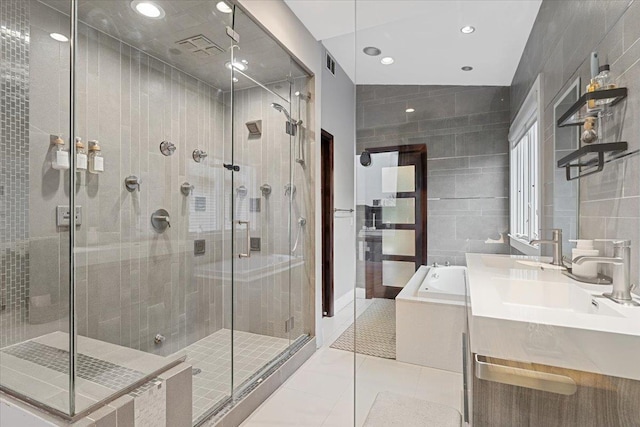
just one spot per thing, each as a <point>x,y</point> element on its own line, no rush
<point>563,36</point>
<point>465,130</point>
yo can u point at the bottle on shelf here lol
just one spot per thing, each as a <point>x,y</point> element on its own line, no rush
<point>81,156</point>
<point>96,161</point>
<point>592,87</point>
<point>59,157</point>
<point>604,81</point>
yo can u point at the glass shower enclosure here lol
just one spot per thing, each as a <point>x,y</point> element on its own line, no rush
<point>179,135</point>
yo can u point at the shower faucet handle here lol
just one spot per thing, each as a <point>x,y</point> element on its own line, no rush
<point>132,183</point>
<point>199,155</point>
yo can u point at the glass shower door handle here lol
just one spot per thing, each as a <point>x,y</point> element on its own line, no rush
<point>248,253</point>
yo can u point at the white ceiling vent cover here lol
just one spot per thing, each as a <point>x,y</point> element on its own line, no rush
<point>200,46</point>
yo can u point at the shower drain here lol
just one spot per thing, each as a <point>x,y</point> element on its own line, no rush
<point>195,371</point>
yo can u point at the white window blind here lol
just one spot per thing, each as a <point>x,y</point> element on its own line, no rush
<point>525,190</point>
<point>525,203</point>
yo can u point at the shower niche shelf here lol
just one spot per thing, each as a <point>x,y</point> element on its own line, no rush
<point>578,112</point>
<point>591,157</point>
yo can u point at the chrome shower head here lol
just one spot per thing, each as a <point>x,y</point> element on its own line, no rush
<point>281,109</point>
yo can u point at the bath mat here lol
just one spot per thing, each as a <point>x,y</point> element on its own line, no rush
<point>390,409</point>
<point>375,331</point>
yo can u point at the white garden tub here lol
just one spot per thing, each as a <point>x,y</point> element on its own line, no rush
<point>430,318</point>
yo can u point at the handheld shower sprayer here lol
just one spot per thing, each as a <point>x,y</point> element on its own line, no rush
<point>292,125</point>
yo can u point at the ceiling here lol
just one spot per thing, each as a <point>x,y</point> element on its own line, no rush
<point>267,61</point>
<point>423,37</point>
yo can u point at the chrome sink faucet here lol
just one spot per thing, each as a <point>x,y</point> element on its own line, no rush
<point>556,241</point>
<point>621,262</point>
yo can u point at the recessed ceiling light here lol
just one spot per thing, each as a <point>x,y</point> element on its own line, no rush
<point>148,9</point>
<point>223,7</point>
<point>387,60</point>
<point>59,37</point>
<point>467,29</point>
<point>410,110</point>
<point>238,65</point>
<point>372,51</point>
<point>467,68</point>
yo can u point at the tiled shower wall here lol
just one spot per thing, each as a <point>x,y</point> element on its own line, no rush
<point>264,303</point>
<point>132,282</point>
<point>563,36</point>
<point>465,130</point>
<point>14,169</point>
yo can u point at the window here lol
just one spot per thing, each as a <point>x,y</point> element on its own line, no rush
<point>524,138</point>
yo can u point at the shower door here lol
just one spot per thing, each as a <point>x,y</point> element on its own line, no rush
<point>261,192</point>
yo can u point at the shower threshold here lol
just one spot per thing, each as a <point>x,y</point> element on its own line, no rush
<point>256,357</point>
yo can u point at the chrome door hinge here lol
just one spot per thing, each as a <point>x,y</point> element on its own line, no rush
<point>289,324</point>
<point>233,35</point>
<point>231,167</point>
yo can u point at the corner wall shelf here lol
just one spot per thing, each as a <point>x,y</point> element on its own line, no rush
<point>594,164</point>
<point>576,115</point>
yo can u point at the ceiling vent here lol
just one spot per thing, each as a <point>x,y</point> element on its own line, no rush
<point>200,46</point>
<point>330,63</point>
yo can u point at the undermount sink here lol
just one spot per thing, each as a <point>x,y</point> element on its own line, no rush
<point>538,264</point>
<point>551,296</point>
<point>492,261</point>
<point>525,313</point>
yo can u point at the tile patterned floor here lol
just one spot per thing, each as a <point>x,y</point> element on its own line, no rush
<point>92,369</point>
<point>38,369</point>
<point>321,392</point>
<point>211,356</point>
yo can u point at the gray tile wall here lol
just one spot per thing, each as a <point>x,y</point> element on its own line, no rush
<point>132,282</point>
<point>262,305</point>
<point>465,130</point>
<point>564,34</point>
<point>14,172</point>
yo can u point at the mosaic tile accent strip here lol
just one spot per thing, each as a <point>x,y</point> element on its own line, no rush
<point>89,368</point>
<point>14,169</point>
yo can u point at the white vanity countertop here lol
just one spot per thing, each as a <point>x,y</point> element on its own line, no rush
<point>520,312</point>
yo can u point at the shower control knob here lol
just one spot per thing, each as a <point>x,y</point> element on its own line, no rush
<point>199,155</point>
<point>132,183</point>
<point>167,148</point>
<point>186,188</point>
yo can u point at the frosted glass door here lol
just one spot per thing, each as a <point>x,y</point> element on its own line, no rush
<point>393,233</point>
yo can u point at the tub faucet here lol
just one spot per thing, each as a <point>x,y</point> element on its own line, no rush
<point>556,241</point>
<point>621,262</point>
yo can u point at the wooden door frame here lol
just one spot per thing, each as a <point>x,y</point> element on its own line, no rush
<point>327,193</point>
<point>373,271</point>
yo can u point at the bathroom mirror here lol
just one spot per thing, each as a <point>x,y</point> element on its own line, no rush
<point>565,213</point>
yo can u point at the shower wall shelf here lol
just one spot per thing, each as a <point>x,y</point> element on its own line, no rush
<point>578,112</point>
<point>597,155</point>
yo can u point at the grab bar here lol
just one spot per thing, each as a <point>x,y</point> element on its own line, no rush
<point>343,210</point>
<point>543,381</point>
<point>248,254</point>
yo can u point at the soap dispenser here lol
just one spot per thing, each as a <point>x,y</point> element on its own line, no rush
<point>59,157</point>
<point>81,156</point>
<point>587,270</point>
<point>96,161</point>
